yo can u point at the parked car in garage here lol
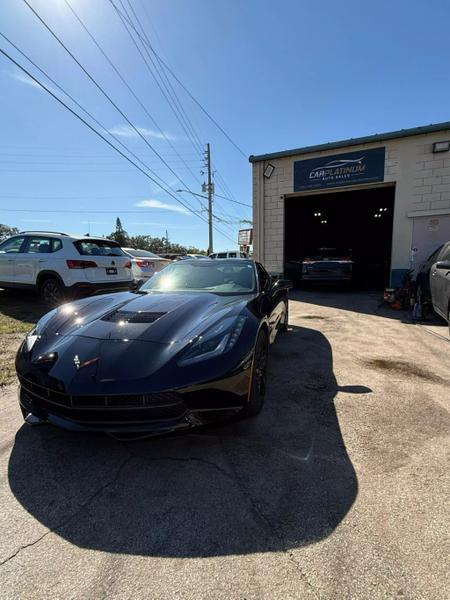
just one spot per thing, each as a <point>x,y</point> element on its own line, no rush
<point>440,283</point>
<point>190,347</point>
<point>60,266</point>
<point>145,264</point>
<point>328,266</point>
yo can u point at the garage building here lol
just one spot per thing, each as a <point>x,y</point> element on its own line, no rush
<point>384,199</point>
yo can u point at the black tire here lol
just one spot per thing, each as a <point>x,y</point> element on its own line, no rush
<point>284,323</point>
<point>258,376</point>
<point>51,291</point>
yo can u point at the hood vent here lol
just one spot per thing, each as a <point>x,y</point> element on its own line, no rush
<point>132,317</point>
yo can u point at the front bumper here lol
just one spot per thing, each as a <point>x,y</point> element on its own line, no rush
<point>152,413</point>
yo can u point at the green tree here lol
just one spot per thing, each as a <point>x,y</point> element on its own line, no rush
<point>120,235</point>
<point>6,231</point>
<point>161,245</point>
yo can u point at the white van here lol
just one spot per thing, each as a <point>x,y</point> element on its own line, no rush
<point>228,254</point>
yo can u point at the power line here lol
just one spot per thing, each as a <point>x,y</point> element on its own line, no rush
<point>90,115</point>
<point>115,106</point>
<point>82,212</point>
<point>174,95</point>
<point>126,19</point>
<point>105,94</point>
<point>116,70</point>
<point>210,117</point>
<point>146,43</point>
<point>235,201</point>
<point>80,118</point>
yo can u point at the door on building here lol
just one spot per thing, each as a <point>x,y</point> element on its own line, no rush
<point>351,223</point>
<point>429,233</point>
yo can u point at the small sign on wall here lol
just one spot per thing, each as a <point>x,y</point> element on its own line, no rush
<point>433,225</point>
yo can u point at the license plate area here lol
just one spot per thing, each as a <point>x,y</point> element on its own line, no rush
<point>111,270</point>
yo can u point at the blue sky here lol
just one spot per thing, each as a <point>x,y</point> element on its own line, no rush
<point>275,75</point>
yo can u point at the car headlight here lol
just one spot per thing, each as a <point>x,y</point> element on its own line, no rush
<point>36,332</point>
<point>215,341</point>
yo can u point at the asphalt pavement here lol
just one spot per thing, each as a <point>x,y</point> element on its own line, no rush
<point>339,489</point>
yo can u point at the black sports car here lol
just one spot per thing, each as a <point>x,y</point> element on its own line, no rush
<point>187,348</point>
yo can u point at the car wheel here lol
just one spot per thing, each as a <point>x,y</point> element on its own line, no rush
<point>284,322</point>
<point>51,291</point>
<point>258,377</point>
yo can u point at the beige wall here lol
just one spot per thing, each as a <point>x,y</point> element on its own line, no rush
<point>422,182</point>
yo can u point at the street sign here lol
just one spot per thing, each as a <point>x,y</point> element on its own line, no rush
<point>245,237</point>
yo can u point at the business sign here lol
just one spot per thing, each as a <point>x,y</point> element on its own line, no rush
<point>245,237</point>
<point>351,168</point>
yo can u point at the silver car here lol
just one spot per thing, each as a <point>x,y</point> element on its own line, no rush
<point>145,264</point>
<point>440,283</point>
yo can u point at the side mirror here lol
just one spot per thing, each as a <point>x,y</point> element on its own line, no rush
<point>443,264</point>
<point>282,284</point>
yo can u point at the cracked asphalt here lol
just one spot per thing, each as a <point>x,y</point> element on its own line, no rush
<point>338,489</point>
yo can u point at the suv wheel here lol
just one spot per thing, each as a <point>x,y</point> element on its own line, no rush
<point>51,291</point>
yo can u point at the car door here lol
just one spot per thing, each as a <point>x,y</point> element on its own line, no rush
<point>32,259</point>
<point>271,301</point>
<point>9,250</point>
<point>440,283</point>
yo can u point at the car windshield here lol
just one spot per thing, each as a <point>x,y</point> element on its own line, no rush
<point>139,253</point>
<point>98,248</point>
<point>204,276</point>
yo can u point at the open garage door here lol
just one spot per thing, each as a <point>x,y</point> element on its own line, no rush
<point>353,223</point>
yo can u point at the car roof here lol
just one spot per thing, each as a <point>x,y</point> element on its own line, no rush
<point>73,236</point>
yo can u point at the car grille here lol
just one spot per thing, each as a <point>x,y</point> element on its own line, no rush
<point>53,397</point>
<point>132,317</point>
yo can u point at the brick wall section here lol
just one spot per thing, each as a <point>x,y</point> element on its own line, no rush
<point>279,184</point>
<point>431,179</point>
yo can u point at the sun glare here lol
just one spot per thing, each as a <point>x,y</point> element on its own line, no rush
<point>166,283</point>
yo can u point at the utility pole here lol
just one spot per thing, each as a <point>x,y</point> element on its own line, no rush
<point>210,190</point>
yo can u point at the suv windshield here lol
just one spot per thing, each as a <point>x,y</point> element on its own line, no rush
<point>98,248</point>
<point>228,277</point>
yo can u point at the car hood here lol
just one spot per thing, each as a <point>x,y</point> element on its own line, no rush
<point>154,317</point>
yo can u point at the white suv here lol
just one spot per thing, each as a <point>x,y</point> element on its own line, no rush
<point>60,266</point>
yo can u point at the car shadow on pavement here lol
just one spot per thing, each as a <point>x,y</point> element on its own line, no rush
<point>279,481</point>
<point>365,302</point>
